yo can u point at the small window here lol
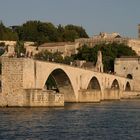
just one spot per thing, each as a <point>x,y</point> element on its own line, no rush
<point>136,68</point>
<point>129,76</point>
<point>124,68</point>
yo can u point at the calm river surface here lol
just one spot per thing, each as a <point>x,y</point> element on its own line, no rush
<point>119,120</point>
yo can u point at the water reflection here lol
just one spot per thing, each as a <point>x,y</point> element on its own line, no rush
<point>101,121</point>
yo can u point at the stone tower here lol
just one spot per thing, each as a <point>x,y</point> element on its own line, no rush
<point>99,64</point>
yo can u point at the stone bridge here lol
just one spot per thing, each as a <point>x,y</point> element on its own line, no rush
<point>23,79</point>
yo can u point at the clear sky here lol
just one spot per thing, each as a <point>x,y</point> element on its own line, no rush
<point>95,16</point>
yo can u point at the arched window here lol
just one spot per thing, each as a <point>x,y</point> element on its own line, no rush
<point>129,76</point>
<point>115,85</point>
<point>127,87</point>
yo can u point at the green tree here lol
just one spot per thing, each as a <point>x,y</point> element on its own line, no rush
<point>37,31</point>
<point>41,32</point>
<point>85,53</point>
<point>70,35</point>
<point>109,52</point>
<point>55,57</point>
<point>81,33</point>
<point>60,31</point>
<point>48,56</point>
<point>20,49</point>
<point>68,59</point>
<point>7,33</point>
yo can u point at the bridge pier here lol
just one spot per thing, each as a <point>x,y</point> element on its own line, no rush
<point>39,97</point>
<point>89,96</point>
<point>111,94</point>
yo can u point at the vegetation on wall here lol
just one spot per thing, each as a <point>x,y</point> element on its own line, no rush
<point>20,49</point>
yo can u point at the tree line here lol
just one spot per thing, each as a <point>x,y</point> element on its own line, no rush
<point>41,32</point>
<point>7,33</point>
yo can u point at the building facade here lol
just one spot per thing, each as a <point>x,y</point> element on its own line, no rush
<point>66,48</point>
<point>128,67</point>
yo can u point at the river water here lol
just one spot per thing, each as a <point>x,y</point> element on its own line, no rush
<point>119,120</point>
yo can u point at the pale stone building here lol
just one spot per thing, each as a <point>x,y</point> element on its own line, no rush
<point>128,67</point>
<point>10,45</point>
<point>66,48</point>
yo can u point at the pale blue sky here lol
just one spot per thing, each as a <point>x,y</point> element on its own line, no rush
<point>95,16</point>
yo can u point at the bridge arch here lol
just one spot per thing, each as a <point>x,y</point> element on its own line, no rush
<point>115,85</point>
<point>60,81</point>
<point>94,84</point>
<point>113,91</point>
<point>127,87</point>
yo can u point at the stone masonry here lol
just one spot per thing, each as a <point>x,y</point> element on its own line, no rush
<point>23,82</point>
<point>14,92</point>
